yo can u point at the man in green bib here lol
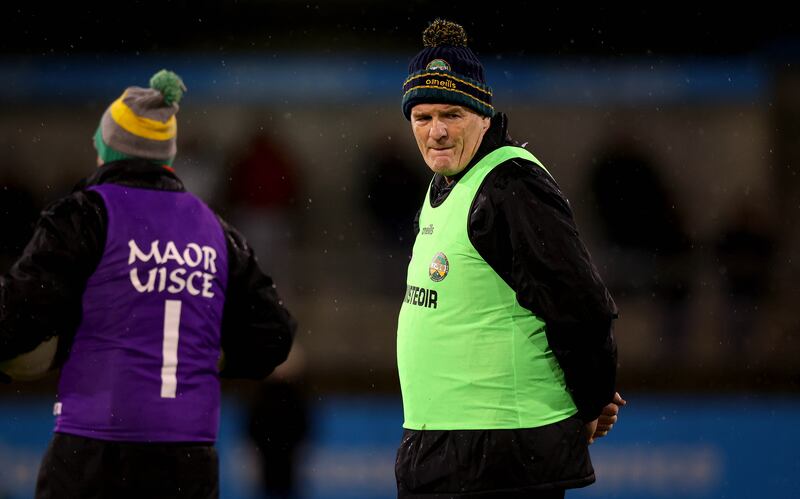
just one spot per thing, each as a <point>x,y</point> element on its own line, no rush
<point>505,350</point>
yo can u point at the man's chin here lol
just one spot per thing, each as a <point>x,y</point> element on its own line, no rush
<point>443,170</point>
<point>441,166</point>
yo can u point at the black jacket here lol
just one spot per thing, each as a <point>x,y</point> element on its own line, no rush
<point>522,226</point>
<point>41,296</point>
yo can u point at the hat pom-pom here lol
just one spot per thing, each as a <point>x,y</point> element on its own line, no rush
<point>442,32</point>
<point>169,84</point>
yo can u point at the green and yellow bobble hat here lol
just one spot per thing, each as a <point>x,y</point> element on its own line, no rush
<point>141,123</point>
<point>446,71</point>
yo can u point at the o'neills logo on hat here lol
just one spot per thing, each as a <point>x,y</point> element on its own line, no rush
<point>440,64</point>
<point>439,267</point>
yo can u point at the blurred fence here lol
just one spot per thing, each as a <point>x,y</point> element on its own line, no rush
<point>675,446</point>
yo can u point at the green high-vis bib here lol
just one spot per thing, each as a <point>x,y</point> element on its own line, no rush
<point>468,354</point>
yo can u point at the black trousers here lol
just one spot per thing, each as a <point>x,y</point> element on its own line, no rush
<point>495,494</point>
<point>79,467</point>
<point>522,463</point>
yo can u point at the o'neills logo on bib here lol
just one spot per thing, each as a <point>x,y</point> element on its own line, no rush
<point>439,267</point>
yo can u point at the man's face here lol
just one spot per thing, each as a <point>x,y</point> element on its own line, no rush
<point>447,135</point>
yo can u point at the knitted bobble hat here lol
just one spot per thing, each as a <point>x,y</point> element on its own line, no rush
<point>141,122</point>
<point>446,71</point>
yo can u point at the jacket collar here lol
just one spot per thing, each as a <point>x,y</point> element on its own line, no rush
<point>134,173</point>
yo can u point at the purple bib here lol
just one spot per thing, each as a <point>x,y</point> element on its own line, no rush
<point>143,366</point>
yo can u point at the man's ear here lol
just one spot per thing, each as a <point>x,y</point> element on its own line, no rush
<point>486,123</point>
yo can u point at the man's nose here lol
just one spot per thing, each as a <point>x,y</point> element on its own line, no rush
<point>438,130</point>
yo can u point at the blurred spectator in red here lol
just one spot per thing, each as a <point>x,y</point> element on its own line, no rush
<point>263,191</point>
<point>264,176</point>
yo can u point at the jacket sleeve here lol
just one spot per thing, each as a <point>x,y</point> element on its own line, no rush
<point>257,330</point>
<point>40,297</point>
<point>523,227</point>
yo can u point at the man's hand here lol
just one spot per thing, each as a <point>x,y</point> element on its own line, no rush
<point>608,417</point>
<point>590,429</point>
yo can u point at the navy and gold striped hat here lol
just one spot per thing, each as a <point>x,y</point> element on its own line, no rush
<point>446,71</point>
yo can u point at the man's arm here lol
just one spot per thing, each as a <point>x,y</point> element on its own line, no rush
<point>40,298</point>
<point>523,227</point>
<point>257,330</point>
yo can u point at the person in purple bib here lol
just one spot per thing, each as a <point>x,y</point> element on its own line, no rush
<point>143,297</point>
